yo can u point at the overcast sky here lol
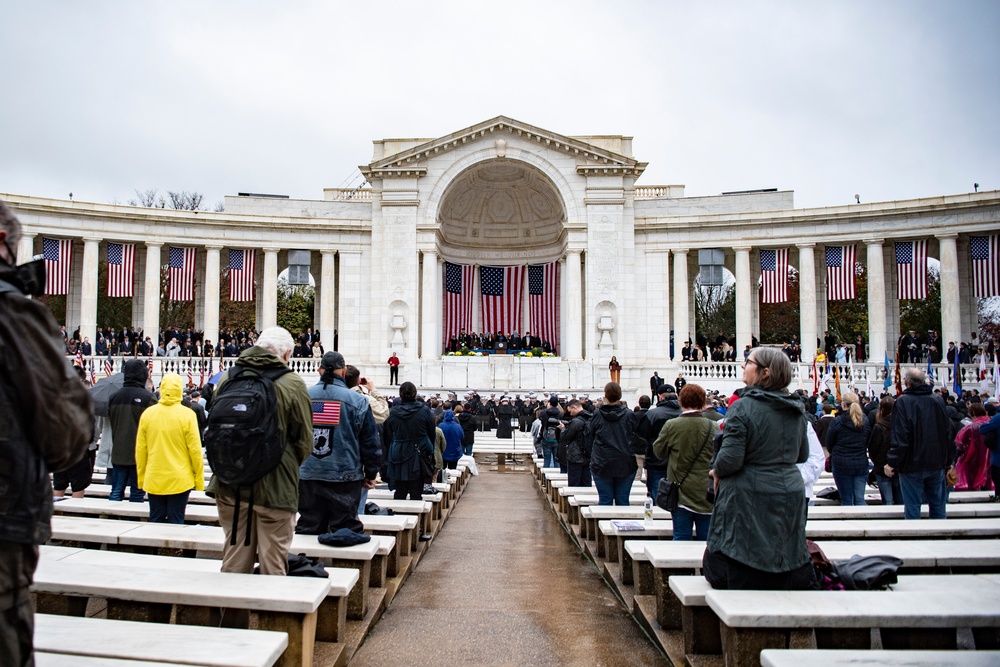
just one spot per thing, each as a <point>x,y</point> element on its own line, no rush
<point>888,100</point>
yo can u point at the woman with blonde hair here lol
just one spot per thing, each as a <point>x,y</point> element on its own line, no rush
<point>847,442</point>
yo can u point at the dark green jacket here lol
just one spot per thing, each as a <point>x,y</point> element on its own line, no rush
<point>680,444</point>
<point>279,489</point>
<point>760,508</point>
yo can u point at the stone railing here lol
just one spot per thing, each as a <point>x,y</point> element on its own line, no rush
<point>654,191</point>
<point>191,369</point>
<point>348,194</point>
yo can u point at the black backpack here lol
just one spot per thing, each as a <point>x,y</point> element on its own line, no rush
<point>242,440</point>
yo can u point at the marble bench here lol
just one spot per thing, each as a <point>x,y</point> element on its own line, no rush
<point>591,515</point>
<point>186,644</point>
<point>369,559</point>
<point>67,660</point>
<point>666,559</point>
<point>751,621</point>
<point>284,604</point>
<point>561,492</point>
<point>700,625</point>
<point>422,509</point>
<point>330,620</point>
<point>846,658</point>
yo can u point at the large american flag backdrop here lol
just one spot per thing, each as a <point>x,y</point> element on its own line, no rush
<point>458,299</point>
<point>774,275</point>
<point>501,288</point>
<point>985,252</point>
<point>911,269</point>
<point>181,274</point>
<point>839,272</point>
<point>58,254</point>
<point>121,269</point>
<point>543,302</point>
<point>241,270</point>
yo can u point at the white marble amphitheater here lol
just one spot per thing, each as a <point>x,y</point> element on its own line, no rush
<point>504,193</point>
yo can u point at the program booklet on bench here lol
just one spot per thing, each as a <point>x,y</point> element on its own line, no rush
<point>628,525</point>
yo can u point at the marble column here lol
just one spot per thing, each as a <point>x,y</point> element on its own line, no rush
<point>876,301</point>
<point>951,325</point>
<point>572,340</point>
<point>269,293</point>
<point>807,300</point>
<point>212,273</point>
<point>328,296</point>
<point>88,289</point>
<point>682,322</point>
<point>744,309</point>
<point>431,346</point>
<point>25,248</point>
<point>151,292</point>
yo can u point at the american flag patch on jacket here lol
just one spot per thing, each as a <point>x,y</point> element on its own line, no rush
<point>326,412</point>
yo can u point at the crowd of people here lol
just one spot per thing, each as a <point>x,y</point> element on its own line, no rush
<point>498,342</point>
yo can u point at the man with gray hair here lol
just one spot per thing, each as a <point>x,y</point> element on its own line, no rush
<point>45,426</point>
<point>920,447</point>
<point>263,533</point>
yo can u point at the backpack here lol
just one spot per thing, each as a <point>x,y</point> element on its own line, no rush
<point>867,573</point>
<point>242,441</point>
<point>550,435</point>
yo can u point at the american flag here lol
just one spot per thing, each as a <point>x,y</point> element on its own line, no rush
<point>93,373</point>
<point>121,269</point>
<point>326,412</point>
<point>501,287</point>
<point>985,265</point>
<point>109,367</point>
<point>201,364</point>
<point>149,365</point>
<point>457,299</point>
<point>774,275</point>
<point>241,271</point>
<point>78,360</point>
<point>839,272</point>
<point>911,269</point>
<point>543,302</point>
<point>58,253</point>
<point>190,373</point>
<point>181,274</point>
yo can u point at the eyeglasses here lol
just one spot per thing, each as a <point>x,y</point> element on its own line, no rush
<point>754,362</point>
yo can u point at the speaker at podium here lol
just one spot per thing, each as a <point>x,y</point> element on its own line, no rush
<point>500,347</point>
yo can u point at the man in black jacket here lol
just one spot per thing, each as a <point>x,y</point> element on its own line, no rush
<point>574,443</point>
<point>124,410</point>
<point>45,426</point>
<point>921,450</point>
<point>649,428</point>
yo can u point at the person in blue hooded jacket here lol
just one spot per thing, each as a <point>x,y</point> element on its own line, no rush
<point>453,434</point>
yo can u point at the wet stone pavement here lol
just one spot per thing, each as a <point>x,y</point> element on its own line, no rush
<point>503,585</point>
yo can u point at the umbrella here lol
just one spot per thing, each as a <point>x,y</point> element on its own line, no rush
<point>102,391</point>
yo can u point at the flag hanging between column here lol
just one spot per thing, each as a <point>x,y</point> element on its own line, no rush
<point>457,299</point>
<point>985,252</point>
<point>58,254</point>
<point>181,274</point>
<point>543,302</point>
<point>839,272</point>
<point>911,269</point>
<point>241,274</point>
<point>774,275</point>
<point>121,269</point>
<point>501,288</point>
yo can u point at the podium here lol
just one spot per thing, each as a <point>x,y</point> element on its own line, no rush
<point>500,347</point>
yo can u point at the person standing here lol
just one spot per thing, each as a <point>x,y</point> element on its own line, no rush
<point>654,383</point>
<point>346,454</point>
<point>616,370</point>
<point>168,456</point>
<point>453,434</point>
<point>649,428</point>
<point>847,442</point>
<point>574,439</point>
<point>408,433</point>
<point>921,449</point>
<point>393,369</point>
<point>45,425</point>
<point>612,462</point>
<point>267,536</point>
<point>124,412</point>
<point>878,452</point>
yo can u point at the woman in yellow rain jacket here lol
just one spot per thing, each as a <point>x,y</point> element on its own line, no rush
<point>168,454</point>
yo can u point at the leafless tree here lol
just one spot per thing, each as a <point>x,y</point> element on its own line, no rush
<point>185,201</point>
<point>145,198</point>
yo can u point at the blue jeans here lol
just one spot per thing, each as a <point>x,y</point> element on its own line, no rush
<point>549,454</point>
<point>364,501</point>
<point>613,490</point>
<point>685,522</point>
<point>889,489</point>
<point>168,509</point>
<point>923,487</point>
<point>653,478</point>
<point>122,476</point>
<point>466,450</point>
<point>851,488</point>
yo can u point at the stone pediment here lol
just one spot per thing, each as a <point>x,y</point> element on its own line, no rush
<point>592,159</point>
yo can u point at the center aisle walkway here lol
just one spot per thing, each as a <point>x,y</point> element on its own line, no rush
<point>503,585</point>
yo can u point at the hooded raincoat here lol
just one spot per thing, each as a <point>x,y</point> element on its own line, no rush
<point>168,444</point>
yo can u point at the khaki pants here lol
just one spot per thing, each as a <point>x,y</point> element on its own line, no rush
<point>270,538</point>
<point>640,459</point>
